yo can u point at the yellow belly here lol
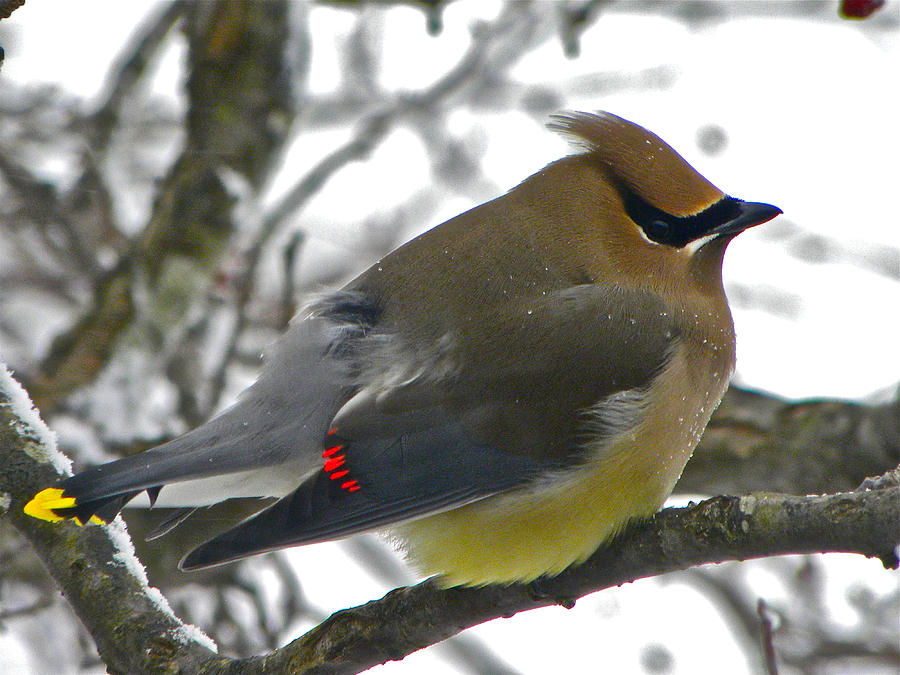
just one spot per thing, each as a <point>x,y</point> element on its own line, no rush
<point>519,536</point>
<point>511,538</point>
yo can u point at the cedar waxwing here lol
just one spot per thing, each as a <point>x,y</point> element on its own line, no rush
<point>500,395</point>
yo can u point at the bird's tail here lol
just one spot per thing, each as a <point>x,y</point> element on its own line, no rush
<point>214,462</point>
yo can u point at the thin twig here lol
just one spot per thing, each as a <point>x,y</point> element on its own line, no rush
<point>135,58</point>
<point>290,260</point>
<point>765,623</point>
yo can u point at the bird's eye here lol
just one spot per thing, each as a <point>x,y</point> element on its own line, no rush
<point>657,225</point>
<point>658,229</point>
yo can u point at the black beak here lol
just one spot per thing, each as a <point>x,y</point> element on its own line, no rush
<point>749,214</point>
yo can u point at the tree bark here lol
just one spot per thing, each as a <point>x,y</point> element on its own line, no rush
<point>761,442</point>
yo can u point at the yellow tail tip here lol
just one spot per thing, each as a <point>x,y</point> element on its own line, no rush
<point>42,506</point>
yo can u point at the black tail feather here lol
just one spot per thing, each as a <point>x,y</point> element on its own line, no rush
<point>106,508</point>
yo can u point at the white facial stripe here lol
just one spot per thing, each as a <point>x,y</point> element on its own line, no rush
<point>646,238</point>
<point>693,246</point>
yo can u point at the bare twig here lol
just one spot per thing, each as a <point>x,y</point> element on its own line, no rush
<point>290,257</point>
<point>40,204</point>
<point>129,69</point>
<point>765,625</point>
<point>46,600</point>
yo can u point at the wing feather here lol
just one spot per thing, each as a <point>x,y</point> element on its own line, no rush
<point>405,447</point>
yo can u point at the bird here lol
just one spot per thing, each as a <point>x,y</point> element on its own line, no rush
<point>498,396</point>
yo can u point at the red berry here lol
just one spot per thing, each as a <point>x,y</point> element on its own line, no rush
<point>860,9</point>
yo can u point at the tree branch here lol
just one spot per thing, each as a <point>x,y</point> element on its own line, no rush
<point>94,566</point>
<point>128,71</point>
<point>7,7</point>
<point>95,570</point>
<point>716,530</point>
<point>757,441</point>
